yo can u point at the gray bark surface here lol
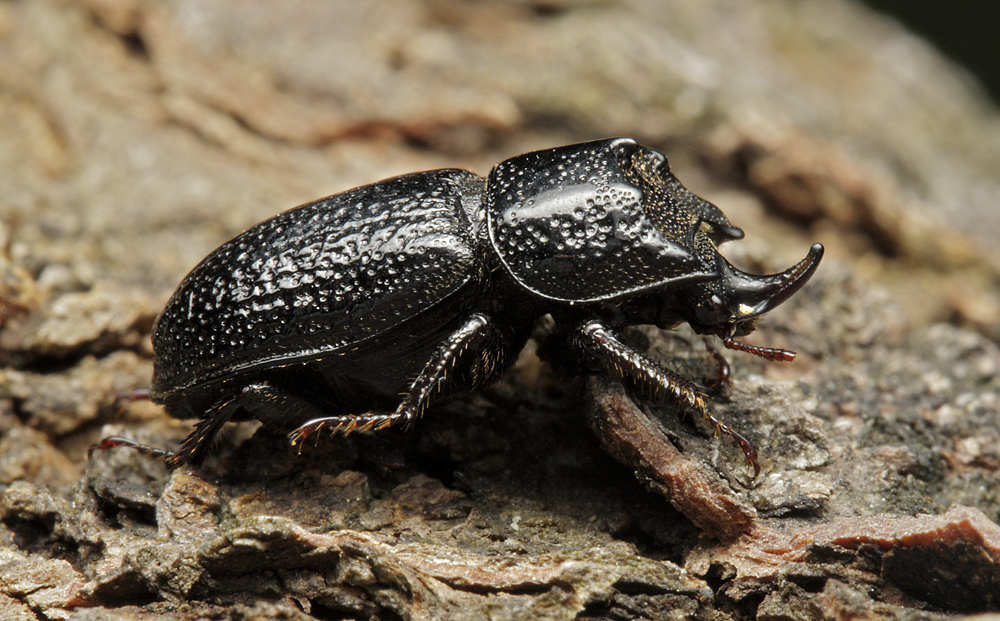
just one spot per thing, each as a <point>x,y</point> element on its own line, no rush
<point>136,136</point>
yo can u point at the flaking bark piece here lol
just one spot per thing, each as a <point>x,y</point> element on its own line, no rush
<point>691,486</point>
<point>951,561</point>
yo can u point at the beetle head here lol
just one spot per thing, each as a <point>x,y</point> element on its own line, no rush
<point>729,305</point>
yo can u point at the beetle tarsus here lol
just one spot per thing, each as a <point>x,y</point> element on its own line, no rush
<point>112,442</point>
<point>340,424</point>
<point>749,451</point>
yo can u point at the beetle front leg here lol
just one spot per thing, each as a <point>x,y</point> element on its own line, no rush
<point>476,345</point>
<point>627,364</point>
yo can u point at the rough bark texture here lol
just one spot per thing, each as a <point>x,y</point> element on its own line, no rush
<point>136,136</point>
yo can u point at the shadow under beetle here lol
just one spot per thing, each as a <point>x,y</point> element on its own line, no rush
<point>358,311</point>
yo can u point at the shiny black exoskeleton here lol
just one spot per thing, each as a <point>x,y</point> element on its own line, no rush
<point>428,283</point>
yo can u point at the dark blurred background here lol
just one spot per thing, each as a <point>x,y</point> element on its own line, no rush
<point>967,31</point>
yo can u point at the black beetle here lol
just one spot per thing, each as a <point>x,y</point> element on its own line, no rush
<point>429,283</point>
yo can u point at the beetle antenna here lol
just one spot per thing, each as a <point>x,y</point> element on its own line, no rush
<point>773,354</point>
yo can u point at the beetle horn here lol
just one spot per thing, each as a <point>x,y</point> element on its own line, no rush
<point>752,295</point>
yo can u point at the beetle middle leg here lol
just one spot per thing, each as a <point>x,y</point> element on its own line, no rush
<point>617,358</point>
<point>471,356</point>
<point>723,372</point>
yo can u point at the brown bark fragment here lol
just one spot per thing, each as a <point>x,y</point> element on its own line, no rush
<point>920,555</point>
<point>692,487</point>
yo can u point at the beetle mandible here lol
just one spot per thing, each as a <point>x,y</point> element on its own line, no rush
<point>430,283</point>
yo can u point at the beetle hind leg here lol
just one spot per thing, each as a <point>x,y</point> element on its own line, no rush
<point>199,442</point>
<point>473,355</point>
<point>192,448</point>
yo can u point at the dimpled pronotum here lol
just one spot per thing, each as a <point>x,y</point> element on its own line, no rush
<point>359,310</point>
